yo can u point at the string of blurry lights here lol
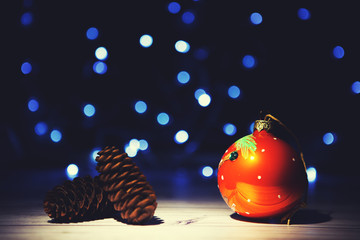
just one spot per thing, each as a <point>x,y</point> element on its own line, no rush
<point>204,96</point>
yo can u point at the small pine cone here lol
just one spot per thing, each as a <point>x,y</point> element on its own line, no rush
<point>126,186</point>
<point>77,200</point>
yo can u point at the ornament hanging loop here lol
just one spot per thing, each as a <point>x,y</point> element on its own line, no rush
<point>268,117</point>
<point>288,216</point>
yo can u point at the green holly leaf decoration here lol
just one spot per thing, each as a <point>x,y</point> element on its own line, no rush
<point>247,145</point>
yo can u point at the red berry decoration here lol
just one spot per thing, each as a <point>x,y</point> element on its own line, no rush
<point>262,176</point>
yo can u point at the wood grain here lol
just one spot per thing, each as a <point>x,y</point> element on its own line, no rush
<point>182,220</point>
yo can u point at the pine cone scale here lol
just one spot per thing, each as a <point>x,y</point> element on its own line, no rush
<point>115,197</point>
<point>133,214</point>
<point>117,206</point>
<point>76,200</point>
<point>145,202</point>
<point>117,186</point>
<point>133,201</point>
<point>120,186</point>
<point>127,187</point>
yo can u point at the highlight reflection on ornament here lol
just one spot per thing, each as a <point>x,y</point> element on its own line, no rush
<point>262,176</point>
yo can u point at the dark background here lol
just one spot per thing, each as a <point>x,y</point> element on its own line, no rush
<point>296,79</point>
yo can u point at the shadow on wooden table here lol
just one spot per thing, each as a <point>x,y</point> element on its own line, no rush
<point>81,219</point>
<point>154,221</point>
<point>303,216</point>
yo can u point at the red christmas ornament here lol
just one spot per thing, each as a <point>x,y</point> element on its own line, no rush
<point>261,176</point>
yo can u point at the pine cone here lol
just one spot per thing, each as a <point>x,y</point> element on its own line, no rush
<point>126,186</point>
<point>77,200</point>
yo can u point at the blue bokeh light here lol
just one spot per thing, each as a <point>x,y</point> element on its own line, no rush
<point>163,118</point>
<point>329,138</point>
<point>355,87</point>
<point>182,46</point>
<point>143,145</point>
<point>174,7</point>
<point>92,33</point>
<point>256,18</point>
<point>146,40</point>
<point>40,128</point>
<point>191,147</point>
<point>101,53</point>
<point>89,110</point>
<point>249,61</point>
<point>338,52</point>
<point>201,54</point>
<point>229,129</point>
<point>188,17</point>
<point>311,174</point>
<point>94,154</point>
<point>198,93</point>
<point>72,171</point>
<point>140,107</point>
<point>181,137</point>
<point>55,135</point>
<point>303,14</point>
<point>207,171</point>
<point>26,68</point>
<point>27,19</point>
<point>100,67</point>
<point>234,92</point>
<point>183,77</point>
<point>251,127</point>
<point>33,105</point>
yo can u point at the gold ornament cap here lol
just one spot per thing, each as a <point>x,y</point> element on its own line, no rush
<point>262,125</point>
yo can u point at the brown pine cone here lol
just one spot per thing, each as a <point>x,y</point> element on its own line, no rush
<point>126,186</point>
<point>77,200</point>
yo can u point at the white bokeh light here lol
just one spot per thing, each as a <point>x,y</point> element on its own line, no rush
<point>72,171</point>
<point>311,174</point>
<point>146,40</point>
<point>182,47</point>
<point>204,100</point>
<point>207,171</point>
<point>101,53</point>
<point>181,137</point>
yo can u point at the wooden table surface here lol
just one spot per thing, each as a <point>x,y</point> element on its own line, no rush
<point>181,220</point>
<point>186,210</point>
